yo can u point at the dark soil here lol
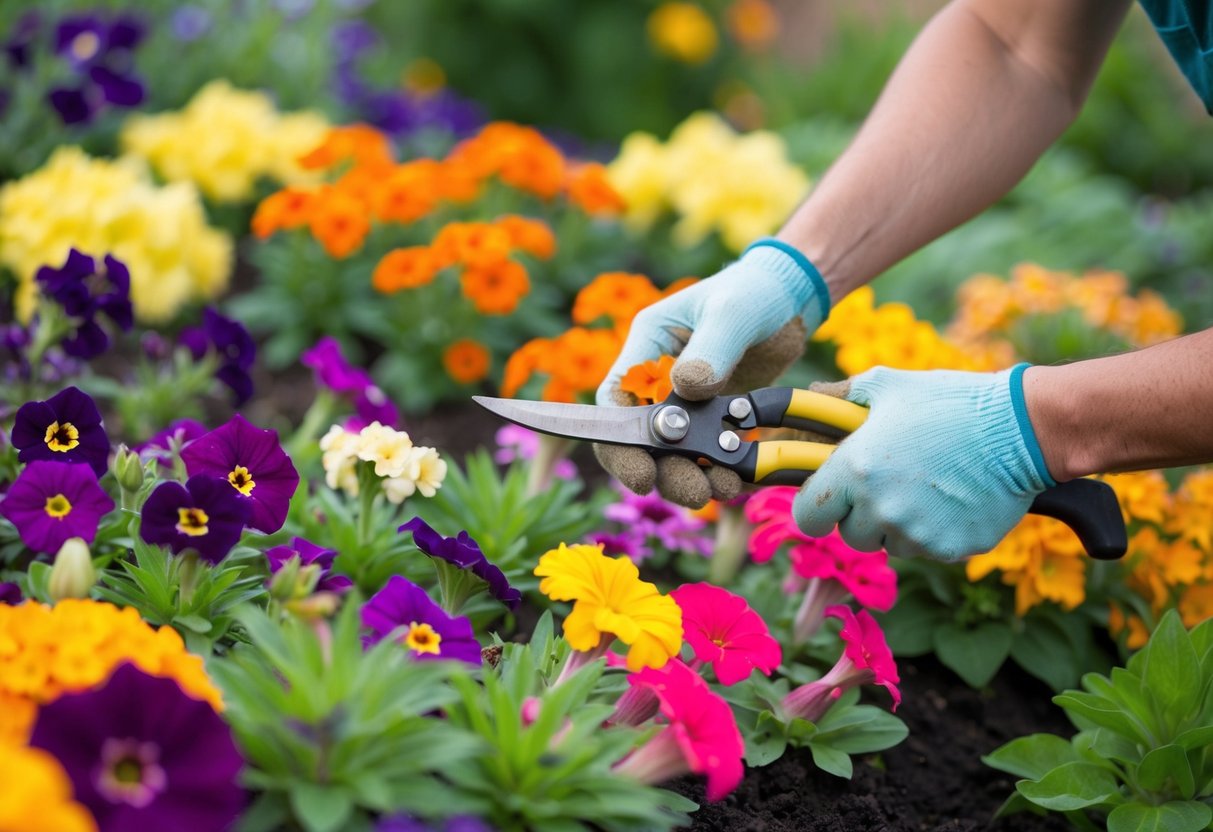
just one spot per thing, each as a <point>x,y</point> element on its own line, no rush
<point>934,780</point>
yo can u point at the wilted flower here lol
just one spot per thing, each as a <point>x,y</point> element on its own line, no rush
<point>723,631</point>
<point>317,558</point>
<point>463,552</point>
<point>206,514</point>
<point>402,610</point>
<point>335,373</point>
<point>235,348</point>
<point>85,291</point>
<point>253,463</point>
<point>64,428</point>
<point>51,502</point>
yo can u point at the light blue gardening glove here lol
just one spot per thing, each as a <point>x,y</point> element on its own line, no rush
<point>945,465</point>
<point>739,329</point>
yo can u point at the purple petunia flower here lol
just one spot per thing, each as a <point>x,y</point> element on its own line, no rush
<point>253,462</point>
<point>232,343</point>
<point>310,554</point>
<point>205,514</point>
<point>623,543</point>
<point>652,516</point>
<point>465,553</point>
<point>64,428</point>
<point>404,611</point>
<point>86,40</point>
<point>334,372</point>
<point>100,53</point>
<point>515,442</point>
<point>161,446</point>
<point>142,754</point>
<point>52,501</point>
<point>86,291</point>
<point>10,593</point>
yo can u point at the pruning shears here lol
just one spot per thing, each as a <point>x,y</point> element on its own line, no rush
<point>712,429</point>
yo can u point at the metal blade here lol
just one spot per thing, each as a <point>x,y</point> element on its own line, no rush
<point>613,425</point>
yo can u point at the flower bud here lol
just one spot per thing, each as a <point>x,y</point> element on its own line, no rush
<point>127,469</point>
<point>73,574</point>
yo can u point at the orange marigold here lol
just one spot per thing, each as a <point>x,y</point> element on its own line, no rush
<point>520,366</point>
<point>580,358</point>
<point>404,268</point>
<point>615,295</point>
<point>649,381</point>
<point>466,361</point>
<point>361,143</point>
<point>1138,635</point>
<point>591,191</point>
<point>530,235</point>
<point>753,23</point>
<point>288,208</point>
<point>409,192</point>
<point>497,289</point>
<point>339,222</point>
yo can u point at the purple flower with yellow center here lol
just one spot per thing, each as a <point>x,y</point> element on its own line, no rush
<point>64,428</point>
<point>53,501</point>
<point>100,52</point>
<point>404,612</point>
<point>310,555</point>
<point>206,514</point>
<point>253,463</point>
<point>463,553</point>
<point>231,342</point>
<point>86,290</point>
<point>142,754</point>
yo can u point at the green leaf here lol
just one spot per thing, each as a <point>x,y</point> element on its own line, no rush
<point>1196,737</point>
<point>973,654</point>
<point>860,729</point>
<point>1043,649</point>
<point>39,581</point>
<point>320,808</point>
<point>1176,816</point>
<point>1165,770</point>
<point>831,760</point>
<point>1100,712</point>
<point>767,742</point>
<point>1172,669</point>
<point>1033,756</point>
<point>1071,786</point>
<point>910,626</point>
<point>193,622</point>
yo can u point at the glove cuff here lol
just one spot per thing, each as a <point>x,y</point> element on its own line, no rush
<point>795,271</point>
<point>1019,405</point>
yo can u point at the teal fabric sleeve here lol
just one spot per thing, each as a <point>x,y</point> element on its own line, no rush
<point>820,290</point>
<point>1020,405</point>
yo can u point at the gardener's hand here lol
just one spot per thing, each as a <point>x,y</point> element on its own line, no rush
<point>945,465</point>
<point>739,330</point>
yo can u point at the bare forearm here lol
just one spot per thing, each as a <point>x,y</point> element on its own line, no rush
<point>984,90</point>
<point>1147,409</point>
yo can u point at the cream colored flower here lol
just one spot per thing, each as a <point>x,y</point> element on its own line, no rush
<point>432,471</point>
<point>391,450</point>
<point>340,459</point>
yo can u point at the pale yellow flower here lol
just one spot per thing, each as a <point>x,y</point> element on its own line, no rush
<point>340,459</point>
<point>432,471</point>
<point>390,450</point>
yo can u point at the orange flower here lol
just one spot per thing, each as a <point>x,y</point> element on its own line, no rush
<point>339,222</point>
<point>649,381</point>
<point>522,364</point>
<point>616,295</point>
<point>404,268</point>
<point>475,244</point>
<point>580,358</point>
<point>496,290</point>
<point>466,361</point>
<point>409,192</point>
<point>530,235</point>
<point>591,191</point>
<point>557,391</point>
<point>365,145</point>
<point>458,182</point>
<point>753,23</point>
<point>1196,604</point>
<point>286,209</point>
<point>1138,634</point>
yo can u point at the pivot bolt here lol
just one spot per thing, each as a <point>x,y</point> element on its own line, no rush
<point>729,441</point>
<point>740,408</point>
<point>671,423</point>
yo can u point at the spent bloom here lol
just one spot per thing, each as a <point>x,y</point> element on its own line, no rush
<point>866,660</point>
<point>334,373</point>
<point>33,784</point>
<point>206,514</point>
<point>403,611</point>
<point>464,553</point>
<point>165,445</point>
<point>86,290</point>
<point>253,463</point>
<point>725,632</point>
<point>51,502</point>
<point>143,754</point>
<point>64,428</point>
<point>700,734</point>
<point>610,601</point>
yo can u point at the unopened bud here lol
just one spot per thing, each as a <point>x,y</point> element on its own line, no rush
<point>73,574</point>
<point>127,468</point>
<point>316,606</point>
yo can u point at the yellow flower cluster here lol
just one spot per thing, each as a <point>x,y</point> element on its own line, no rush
<point>1042,559</point>
<point>404,469</point>
<point>890,335</point>
<point>989,305</point>
<point>75,645</point>
<point>104,207</point>
<point>224,141</point>
<point>36,794</point>
<point>714,179</point>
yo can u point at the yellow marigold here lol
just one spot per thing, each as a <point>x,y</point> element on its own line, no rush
<point>1137,636</point>
<point>1042,559</point>
<point>36,794</point>
<point>224,141</point>
<point>610,601</point>
<point>683,31</point>
<point>1196,604</point>
<point>1192,513</point>
<point>104,207</point>
<point>48,651</point>
<point>1143,495</point>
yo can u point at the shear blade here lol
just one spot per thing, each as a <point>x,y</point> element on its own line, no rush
<point>613,425</point>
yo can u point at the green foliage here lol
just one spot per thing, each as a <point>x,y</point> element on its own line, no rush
<point>1140,756</point>
<point>333,734</point>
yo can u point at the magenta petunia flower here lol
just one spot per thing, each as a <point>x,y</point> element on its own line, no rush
<point>253,463</point>
<point>334,372</point>
<point>621,543</point>
<point>205,514</point>
<point>64,428</point>
<point>462,551</point>
<point>866,660</point>
<point>178,434</point>
<point>142,754</point>
<point>723,631</point>
<point>403,611</point>
<point>700,737</point>
<point>652,517</point>
<point>515,442</point>
<point>310,554</point>
<point>771,509</point>
<point>53,501</point>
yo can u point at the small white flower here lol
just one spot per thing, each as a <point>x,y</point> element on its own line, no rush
<point>391,450</point>
<point>431,471</point>
<point>398,489</point>
<point>340,459</point>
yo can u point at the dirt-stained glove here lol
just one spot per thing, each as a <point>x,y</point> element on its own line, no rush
<point>733,332</point>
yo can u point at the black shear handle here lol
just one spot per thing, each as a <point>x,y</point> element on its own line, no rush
<point>1089,507</point>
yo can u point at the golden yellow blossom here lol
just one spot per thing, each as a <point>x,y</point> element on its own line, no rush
<point>1042,559</point>
<point>1143,495</point>
<point>1137,636</point>
<point>684,31</point>
<point>36,794</point>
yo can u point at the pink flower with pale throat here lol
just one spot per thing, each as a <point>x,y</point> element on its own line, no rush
<point>725,632</point>
<point>700,736</point>
<point>771,510</point>
<point>866,660</point>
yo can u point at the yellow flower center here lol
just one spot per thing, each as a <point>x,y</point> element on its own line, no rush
<point>61,437</point>
<point>422,638</point>
<point>241,480</point>
<point>85,46</point>
<point>192,521</point>
<point>58,506</point>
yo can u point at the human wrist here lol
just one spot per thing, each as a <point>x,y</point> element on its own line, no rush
<point>1050,408</point>
<point>796,273</point>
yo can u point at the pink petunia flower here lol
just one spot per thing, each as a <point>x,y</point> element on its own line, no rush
<point>771,510</point>
<point>700,737</point>
<point>515,442</point>
<point>866,660</point>
<point>723,631</point>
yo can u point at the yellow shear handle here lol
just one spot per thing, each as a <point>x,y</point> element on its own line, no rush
<point>828,410</point>
<point>791,456</point>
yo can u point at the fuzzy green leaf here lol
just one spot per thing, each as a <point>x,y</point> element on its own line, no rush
<point>974,654</point>
<point>1071,786</point>
<point>1033,756</point>
<point>1176,816</point>
<point>767,742</point>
